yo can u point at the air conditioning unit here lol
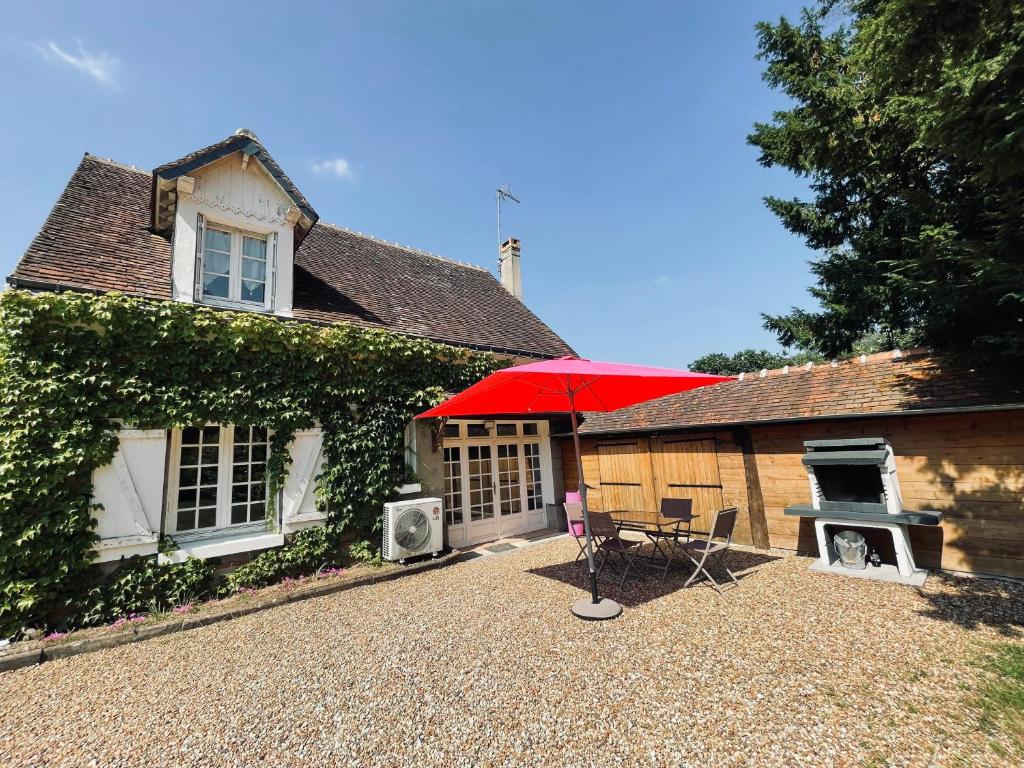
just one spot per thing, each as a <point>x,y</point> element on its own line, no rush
<point>414,527</point>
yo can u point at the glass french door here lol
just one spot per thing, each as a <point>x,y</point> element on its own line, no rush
<point>493,485</point>
<point>510,502</point>
<point>480,484</point>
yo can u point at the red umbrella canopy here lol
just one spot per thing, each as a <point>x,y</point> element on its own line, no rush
<point>568,384</point>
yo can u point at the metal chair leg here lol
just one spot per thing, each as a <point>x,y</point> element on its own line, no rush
<point>720,559</point>
<point>701,569</point>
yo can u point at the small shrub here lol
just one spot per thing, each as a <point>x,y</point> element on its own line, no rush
<point>365,551</point>
<point>309,551</point>
<point>142,585</point>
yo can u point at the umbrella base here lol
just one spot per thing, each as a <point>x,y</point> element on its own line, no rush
<point>585,608</point>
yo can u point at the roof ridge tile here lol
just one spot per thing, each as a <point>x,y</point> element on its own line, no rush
<point>115,163</point>
<point>409,248</point>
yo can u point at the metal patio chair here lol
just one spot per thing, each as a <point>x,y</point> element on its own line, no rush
<point>681,511</point>
<point>574,521</point>
<point>603,527</point>
<point>714,546</point>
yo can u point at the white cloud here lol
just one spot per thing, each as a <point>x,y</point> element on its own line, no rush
<point>662,280</point>
<point>337,166</point>
<point>101,67</point>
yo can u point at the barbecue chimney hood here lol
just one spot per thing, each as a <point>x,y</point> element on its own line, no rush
<point>856,475</point>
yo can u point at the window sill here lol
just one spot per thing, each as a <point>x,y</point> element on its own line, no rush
<point>239,306</point>
<point>219,545</point>
<point>408,488</point>
<point>108,550</point>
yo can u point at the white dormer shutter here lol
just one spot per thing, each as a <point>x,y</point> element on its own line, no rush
<point>271,270</point>
<point>198,290</point>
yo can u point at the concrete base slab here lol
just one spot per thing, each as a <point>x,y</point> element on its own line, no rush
<point>587,609</point>
<point>889,573</point>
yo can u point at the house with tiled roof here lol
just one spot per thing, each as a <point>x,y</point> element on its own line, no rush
<point>224,227</point>
<point>936,438</point>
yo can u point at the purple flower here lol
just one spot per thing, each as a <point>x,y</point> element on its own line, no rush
<point>56,635</point>
<point>186,608</point>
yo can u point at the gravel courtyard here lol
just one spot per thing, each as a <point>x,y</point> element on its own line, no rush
<point>481,664</point>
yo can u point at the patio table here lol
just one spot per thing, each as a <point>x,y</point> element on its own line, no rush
<point>656,530</point>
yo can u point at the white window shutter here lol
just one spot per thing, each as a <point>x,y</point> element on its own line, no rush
<point>130,489</point>
<point>198,291</point>
<point>298,497</point>
<point>271,270</point>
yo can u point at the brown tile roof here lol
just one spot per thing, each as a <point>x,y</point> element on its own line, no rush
<point>97,238</point>
<point>880,384</point>
<point>344,275</point>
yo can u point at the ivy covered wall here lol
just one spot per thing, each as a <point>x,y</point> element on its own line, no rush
<point>74,366</point>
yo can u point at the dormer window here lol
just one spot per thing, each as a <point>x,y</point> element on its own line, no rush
<point>235,267</point>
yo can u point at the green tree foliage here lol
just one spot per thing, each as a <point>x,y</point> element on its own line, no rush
<point>908,122</point>
<point>748,360</point>
<point>77,366</point>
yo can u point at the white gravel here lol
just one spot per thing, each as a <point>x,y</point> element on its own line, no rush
<point>481,664</point>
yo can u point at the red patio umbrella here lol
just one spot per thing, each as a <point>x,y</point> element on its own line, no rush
<point>571,385</point>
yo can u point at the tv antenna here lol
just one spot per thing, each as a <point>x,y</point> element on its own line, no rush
<point>502,193</point>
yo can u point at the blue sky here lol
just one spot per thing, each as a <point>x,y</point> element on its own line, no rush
<point>620,126</point>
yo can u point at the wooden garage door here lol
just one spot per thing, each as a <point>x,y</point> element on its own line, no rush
<point>688,469</point>
<point>626,482</point>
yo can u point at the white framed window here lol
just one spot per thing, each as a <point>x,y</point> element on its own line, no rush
<point>235,266</point>
<point>218,478</point>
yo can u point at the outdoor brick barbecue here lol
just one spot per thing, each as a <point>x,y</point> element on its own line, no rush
<point>854,486</point>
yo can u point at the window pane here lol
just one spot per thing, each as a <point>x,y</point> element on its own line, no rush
<point>239,473</point>
<point>451,430</point>
<point>208,475</point>
<point>254,248</point>
<point>529,429</point>
<point>259,434</point>
<point>239,493</point>
<point>207,517</point>
<point>254,270</point>
<point>210,454</point>
<point>189,456</point>
<point>257,512</point>
<point>215,286</point>
<point>259,453</point>
<point>208,496</point>
<point>218,239</point>
<point>217,263</point>
<point>506,430</point>
<point>211,434</point>
<point>241,453</point>
<point>190,436</point>
<point>187,477</point>
<point>476,430</point>
<point>186,520</point>
<point>187,498</point>
<point>239,514</point>
<point>253,291</point>
<point>257,491</point>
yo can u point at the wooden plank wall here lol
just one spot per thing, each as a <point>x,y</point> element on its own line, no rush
<point>635,473</point>
<point>970,467</point>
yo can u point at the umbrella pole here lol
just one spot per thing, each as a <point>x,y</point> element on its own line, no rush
<point>595,608</point>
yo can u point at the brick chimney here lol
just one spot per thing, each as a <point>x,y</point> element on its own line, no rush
<point>508,266</point>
